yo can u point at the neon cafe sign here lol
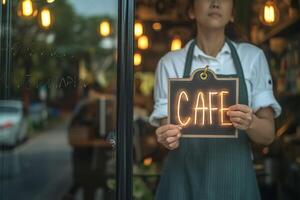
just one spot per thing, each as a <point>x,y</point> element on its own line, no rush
<point>199,104</point>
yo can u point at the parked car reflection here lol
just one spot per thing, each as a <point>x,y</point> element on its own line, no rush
<point>13,126</point>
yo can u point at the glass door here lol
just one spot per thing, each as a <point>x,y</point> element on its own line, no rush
<point>66,99</point>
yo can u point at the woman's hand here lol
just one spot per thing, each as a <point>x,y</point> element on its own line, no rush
<point>241,116</point>
<point>168,135</point>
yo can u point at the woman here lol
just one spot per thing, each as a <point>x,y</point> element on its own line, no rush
<point>215,168</point>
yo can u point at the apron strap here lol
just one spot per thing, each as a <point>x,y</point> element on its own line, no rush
<point>236,62</point>
<point>239,70</point>
<point>189,60</point>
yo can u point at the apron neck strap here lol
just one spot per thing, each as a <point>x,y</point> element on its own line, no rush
<point>189,60</point>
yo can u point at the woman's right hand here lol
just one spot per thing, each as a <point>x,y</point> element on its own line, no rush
<point>168,135</point>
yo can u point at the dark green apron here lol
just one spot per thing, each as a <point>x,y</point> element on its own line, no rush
<point>211,169</point>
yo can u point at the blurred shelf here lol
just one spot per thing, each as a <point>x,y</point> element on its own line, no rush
<point>283,29</point>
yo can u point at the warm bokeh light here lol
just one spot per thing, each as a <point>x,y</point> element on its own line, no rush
<point>138,29</point>
<point>3,2</point>
<point>147,161</point>
<point>156,26</point>
<point>104,28</point>
<point>50,1</point>
<point>27,8</point>
<point>176,44</point>
<point>269,13</point>
<point>143,42</point>
<point>137,59</point>
<point>45,18</point>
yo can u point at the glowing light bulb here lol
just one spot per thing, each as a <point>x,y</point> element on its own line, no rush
<point>46,18</point>
<point>156,26</point>
<point>26,8</point>
<point>104,28</point>
<point>176,44</point>
<point>137,59</point>
<point>138,29</point>
<point>269,13</point>
<point>143,42</point>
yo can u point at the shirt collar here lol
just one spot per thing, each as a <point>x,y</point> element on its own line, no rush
<point>199,52</point>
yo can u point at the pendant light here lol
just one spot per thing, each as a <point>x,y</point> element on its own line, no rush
<point>138,29</point>
<point>46,18</point>
<point>143,42</point>
<point>269,13</point>
<point>176,43</point>
<point>27,9</point>
<point>137,59</point>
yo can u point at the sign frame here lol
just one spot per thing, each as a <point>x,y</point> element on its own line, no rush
<point>215,76</point>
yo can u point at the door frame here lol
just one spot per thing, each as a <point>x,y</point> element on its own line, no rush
<point>5,46</point>
<point>125,99</point>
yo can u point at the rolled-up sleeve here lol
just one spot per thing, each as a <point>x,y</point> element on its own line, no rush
<point>160,94</point>
<point>262,93</point>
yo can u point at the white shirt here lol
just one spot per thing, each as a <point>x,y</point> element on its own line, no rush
<point>256,72</point>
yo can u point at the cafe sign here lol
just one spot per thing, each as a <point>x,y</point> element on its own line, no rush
<point>199,104</point>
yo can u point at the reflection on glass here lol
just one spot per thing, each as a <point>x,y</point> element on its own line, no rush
<point>62,107</point>
<point>104,28</point>
<point>27,9</point>
<point>45,18</point>
<point>138,29</point>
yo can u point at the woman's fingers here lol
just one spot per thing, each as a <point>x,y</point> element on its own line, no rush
<point>169,133</point>
<point>168,136</point>
<point>165,128</point>
<point>236,125</point>
<point>237,114</point>
<point>241,116</point>
<point>240,123</point>
<point>173,145</point>
<point>240,107</point>
<point>237,120</point>
<point>170,140</point>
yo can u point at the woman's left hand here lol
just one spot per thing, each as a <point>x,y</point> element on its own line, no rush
<point>241,116</point>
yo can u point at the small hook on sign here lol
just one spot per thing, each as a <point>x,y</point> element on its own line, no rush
<point>203,75</point>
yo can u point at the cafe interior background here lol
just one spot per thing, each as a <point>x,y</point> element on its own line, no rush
<point>58,120</point>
